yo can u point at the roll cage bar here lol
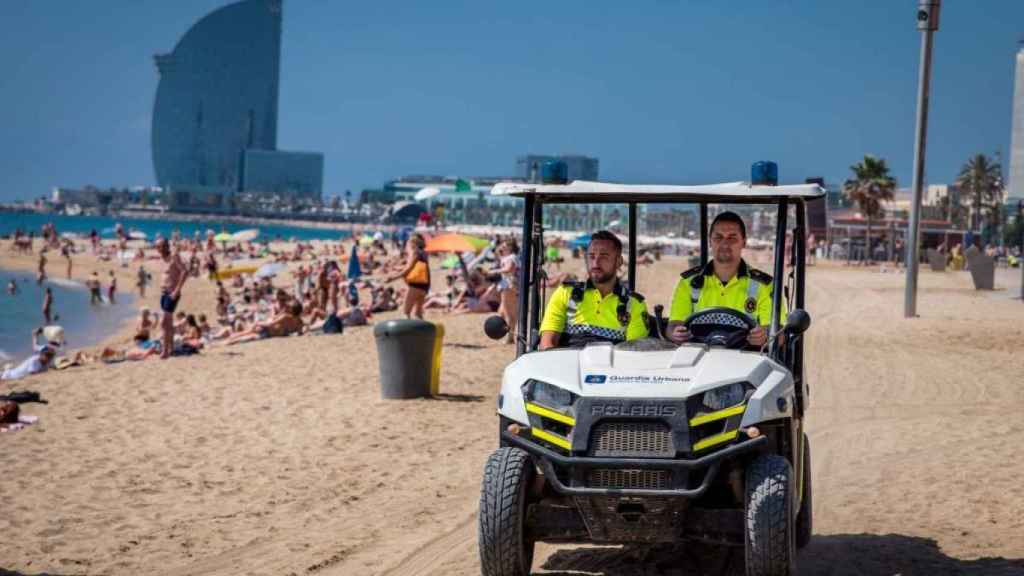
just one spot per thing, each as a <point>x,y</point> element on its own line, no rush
<point>532,254</point>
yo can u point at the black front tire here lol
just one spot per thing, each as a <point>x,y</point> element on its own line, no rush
<point>505,549</point>
<point>769,517</point>
<point>805,518</point>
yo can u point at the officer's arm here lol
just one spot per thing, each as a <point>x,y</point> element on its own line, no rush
<point>637,327</point>
<point>764,306</point>
<point>553,325</point>
<point>681,306</point>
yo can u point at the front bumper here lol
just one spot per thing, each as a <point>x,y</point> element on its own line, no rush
<point>547,459</point>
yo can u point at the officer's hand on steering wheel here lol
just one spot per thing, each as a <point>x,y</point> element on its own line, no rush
<point>757,336</point>
<point>679,334</point>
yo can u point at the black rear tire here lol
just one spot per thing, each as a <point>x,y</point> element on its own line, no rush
<point>805,518</point>
<point>769,517</point>
<point>505,549</point>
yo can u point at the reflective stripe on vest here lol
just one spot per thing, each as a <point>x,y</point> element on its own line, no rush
<point>573,328</point>
<point>753,287</point>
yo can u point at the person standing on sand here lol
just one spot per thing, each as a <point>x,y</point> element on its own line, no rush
<point>113,287</point>
<point>47,305</point>
<point>170,293</point>
<point>143,279</point>
<point>41,276</point>
<point>416,274</point>
<point>93,283</point>
<point>65,251</point>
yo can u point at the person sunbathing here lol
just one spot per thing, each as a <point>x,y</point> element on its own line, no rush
<point>284,325</point>
<point>145,325</point>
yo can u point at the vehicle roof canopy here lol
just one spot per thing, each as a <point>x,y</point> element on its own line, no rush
<point>584,192</point>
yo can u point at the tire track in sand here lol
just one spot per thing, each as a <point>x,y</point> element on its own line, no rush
<point>456,543</point>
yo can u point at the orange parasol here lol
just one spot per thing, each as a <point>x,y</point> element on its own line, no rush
<point>456,243</point>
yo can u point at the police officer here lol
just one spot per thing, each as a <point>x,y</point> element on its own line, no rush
<point>601,307</point>
<point>725,281</point>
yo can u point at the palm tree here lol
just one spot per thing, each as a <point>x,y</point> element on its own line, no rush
<point>981,180</point>
<point>870,185</point>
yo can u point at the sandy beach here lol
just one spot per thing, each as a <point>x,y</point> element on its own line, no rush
<point>279,457</point>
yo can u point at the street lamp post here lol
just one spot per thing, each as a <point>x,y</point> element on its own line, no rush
<point>927,22</point>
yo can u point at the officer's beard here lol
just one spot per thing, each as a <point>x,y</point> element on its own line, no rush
<point>601,277</point>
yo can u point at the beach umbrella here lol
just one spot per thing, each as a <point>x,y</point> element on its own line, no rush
<point>425,193</point>
<point>137,235</point>
<point>456,243</point>
<point>270,269</point>
<point>245,235</point>
<point>223,237</point>
<point>366,240</point>
<point>354,269</point>
<point>581,241</point>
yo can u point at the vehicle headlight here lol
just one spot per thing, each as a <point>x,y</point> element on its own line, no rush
<point>548,394</point>
<point>725,396</point>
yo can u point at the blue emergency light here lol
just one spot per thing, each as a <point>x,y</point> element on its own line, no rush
<point>764,173</point>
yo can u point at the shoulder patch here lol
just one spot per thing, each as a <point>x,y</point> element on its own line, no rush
<point>760,276</point>
<point>686,275</point>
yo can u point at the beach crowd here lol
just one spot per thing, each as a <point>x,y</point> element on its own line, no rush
<point>270,289</point>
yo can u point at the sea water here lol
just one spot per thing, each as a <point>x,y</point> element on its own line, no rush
<point>84,324</point>
<point>104,226</point>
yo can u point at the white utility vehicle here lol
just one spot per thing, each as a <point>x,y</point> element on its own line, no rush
<point>646,441</point>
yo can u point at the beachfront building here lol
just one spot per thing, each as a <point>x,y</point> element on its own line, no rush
<point>469,201</point>
<point>214,131</point>
<point>530,166</point>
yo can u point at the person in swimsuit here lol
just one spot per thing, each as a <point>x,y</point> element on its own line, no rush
<point>283,325</point>
<point>170,293</point>
<point>418,289</point>
<point>47,305</point>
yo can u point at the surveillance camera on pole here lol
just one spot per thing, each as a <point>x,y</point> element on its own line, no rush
<point>927,22</point>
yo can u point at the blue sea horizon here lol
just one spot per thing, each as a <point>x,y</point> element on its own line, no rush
<point>84,324</point>
<point>104,225</point>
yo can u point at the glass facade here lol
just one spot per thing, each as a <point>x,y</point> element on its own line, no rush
<point>218,96</point>
<point>578,167</point>
<point>288,174</point>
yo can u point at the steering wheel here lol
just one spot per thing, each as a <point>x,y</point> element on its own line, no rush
<point>720,326</point>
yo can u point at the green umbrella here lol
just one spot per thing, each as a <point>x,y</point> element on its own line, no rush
<point>451,261</point>
<point>223,237</point>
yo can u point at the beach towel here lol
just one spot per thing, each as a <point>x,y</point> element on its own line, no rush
<point>23,396</point>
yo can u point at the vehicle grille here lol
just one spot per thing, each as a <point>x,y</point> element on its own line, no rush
<point>632,439</point>
<point>621,479</point>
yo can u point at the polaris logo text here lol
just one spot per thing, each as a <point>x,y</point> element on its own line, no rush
<point>634,410</point>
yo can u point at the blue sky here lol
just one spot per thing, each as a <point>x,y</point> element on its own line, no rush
<point>660,91</point>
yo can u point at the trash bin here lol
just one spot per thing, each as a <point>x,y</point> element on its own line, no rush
<point>409,356</point>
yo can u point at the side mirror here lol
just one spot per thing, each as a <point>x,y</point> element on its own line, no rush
<point>798,322</point>
<point>495,327</point>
